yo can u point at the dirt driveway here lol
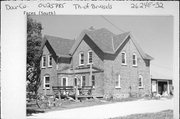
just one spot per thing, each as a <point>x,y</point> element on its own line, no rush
<point>109,110</point>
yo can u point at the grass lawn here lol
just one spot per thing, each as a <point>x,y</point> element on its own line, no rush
<point>167,114</point>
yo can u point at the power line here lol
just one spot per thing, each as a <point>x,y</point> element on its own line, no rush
<point>112,24</point>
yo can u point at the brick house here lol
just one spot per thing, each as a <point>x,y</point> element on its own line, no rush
<point>114,65</point>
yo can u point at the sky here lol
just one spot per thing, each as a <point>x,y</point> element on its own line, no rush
<point>153,33</point>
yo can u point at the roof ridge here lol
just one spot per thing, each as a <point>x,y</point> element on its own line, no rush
<point>46,35</point>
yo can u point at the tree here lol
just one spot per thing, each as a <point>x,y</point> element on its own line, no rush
<point>34,52</point>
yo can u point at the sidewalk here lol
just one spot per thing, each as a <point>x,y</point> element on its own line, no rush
<point>109,110</point>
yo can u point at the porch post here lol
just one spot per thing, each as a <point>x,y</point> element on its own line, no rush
<point>157,86</point>
<point>168,87</point>
<point>90,76</point>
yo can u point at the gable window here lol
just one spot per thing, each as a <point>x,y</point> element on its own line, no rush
<point>83,78</point>
<point>140,81</point>
<point>81,58</point>
<point>64,81</point>
<point>49,61</point>
<point>123,58</point>
<point>118,82</point>
<point>43,61</point>
<point>90,57</point>
<point>134,59</point>
<point>46,82</point>
<point>93,81</point>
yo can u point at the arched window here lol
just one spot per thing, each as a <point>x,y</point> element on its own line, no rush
<point>134,59</point>
<point>118,82</point>
<point>49,60</point>
<point>140,80</point>
<point>81,58</point>
<point>43,61</point>
<point>93,81</point>
<point>46,82</point>
<point>90,53</point>
<point>75,81</point>
<point>123,56</point>
<point>64,81</point>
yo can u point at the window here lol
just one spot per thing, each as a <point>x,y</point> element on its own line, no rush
<point>81,58</point>
<point>43,61</point>
<point>46,82</point>
<point>134,59</point>
<point>49,61</point>
<point>83,78</point>
<point>75,81</point>
<point>140,81</point>
<point>123,58</point>
<point>89,57</point>
<point>93,80</point>
<point>118,82</point>
<point>64,81</point>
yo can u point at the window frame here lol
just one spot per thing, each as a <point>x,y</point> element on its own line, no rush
<point>142,84</point>
<point>124,58</point>
<point>81,58</point>
<point>47,88</point>
<point>50,56</point>
<point>43,62</point>
<point>134,54</point>
<point>62,81</point>
<point>119,82</point>
<point>89,57</point>
<point>82,80</point>
<point>93,81</point>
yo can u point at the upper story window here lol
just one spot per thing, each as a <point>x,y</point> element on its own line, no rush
<point>123,56</point>
<point>134,59</point>
<point>90,57</point>
<point>93,80</point>
<point>64,81</point>
<point>118,82</point>
<point>81,58</point>
<point>49,60</point>
<point>47,82</point>
<point>43,61</point>
<point>140,81</point>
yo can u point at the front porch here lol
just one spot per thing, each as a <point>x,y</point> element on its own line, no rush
<point>162,87</point>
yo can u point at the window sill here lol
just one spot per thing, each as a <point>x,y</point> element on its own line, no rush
<point>124,64</point>
<point>81,65</point>
<point>49,66</point>
<point>134,65</point>
<point>43,67</point>
<point>141,87</point>
<point>47,89</point>
<point>118,87</point>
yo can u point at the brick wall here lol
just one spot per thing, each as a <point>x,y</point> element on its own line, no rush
<point>129,74</point>
<point>51,71</point>
<point>85,46</point>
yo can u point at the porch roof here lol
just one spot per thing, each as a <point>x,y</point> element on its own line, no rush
<point>80,70</point>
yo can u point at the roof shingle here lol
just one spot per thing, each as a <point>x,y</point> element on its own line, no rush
<point>60,45</point>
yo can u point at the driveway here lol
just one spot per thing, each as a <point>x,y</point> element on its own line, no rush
<point>109,110</point>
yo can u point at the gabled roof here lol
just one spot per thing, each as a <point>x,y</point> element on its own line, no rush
<point>107,41</point>
<point>61,46</point>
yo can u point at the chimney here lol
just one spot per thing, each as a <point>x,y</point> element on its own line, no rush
<point>91,28</point>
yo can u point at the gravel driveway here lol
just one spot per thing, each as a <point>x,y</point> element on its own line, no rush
<point>109,110</point>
